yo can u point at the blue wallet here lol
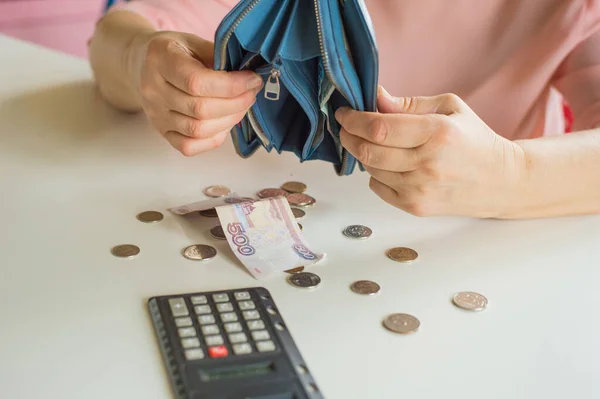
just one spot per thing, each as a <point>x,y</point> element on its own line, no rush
<point>315,56</point>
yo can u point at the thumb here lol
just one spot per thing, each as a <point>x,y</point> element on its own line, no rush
<point>443,104</point>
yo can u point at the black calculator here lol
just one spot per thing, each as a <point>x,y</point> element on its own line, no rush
<point>230,344</point>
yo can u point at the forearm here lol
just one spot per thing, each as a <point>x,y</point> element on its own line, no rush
<point>111,59</point>
<point>561,176</point>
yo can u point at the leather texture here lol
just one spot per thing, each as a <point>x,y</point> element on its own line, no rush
<point>315,56</point>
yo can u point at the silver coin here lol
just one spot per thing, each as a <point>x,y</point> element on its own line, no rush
<point>209,213</point>
<point>358,232</point>
<point>272,193</point>
<point>365,287</point>
<point>401,323</point>
<point>402,254</point>
<point>199,252</point>
<point>218,233</point>
<point>217,191</point>
<point>294,187</point>
<point>304,280</point>
<point>470,301</point>
<point>127,251</point>
<point>299,214</point>
<point>150,217</point>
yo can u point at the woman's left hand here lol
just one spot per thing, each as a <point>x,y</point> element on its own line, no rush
<point>434,156</point>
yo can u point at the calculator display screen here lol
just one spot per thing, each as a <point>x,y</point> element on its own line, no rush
<point>246,370</point>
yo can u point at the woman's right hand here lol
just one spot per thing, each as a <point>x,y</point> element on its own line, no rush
<point>190,104</point>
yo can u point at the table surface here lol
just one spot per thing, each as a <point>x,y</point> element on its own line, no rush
<point>73,318</point>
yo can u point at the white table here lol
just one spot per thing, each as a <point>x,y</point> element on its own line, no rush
<point>74,322</point>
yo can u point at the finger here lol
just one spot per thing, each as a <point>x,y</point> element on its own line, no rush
<point>384,191</point>
<point>190,147</point>
<point>392,130</point>
<point>200,129</point>
<point>377,156</point>
<point>191,76</point>
<point>445,104</point>
<point>207,107</point>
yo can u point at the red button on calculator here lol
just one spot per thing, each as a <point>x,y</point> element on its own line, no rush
<point>218,351</point>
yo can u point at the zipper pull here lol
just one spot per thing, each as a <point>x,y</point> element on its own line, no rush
<point>272,87</point>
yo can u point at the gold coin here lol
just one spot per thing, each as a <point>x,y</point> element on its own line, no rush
<point>150,217</point>
<point>295,270</point>
<point>209,213</point>
<point>301,200</point>
<point>402,254</point>
<point>294,187</point>
<point>401,323</point>
<point>127,251</point>
<point>299,214</point>
<point>271,193</point>
<point>217,191</point>
<point>365,287</point>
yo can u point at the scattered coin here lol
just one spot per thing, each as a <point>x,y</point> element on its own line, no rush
<point>358,232</point>
<point>199,252</point>
<point>301,200</point>
<point>127,251</point>
<point>235,200</point>
<point>401,323</point>
<point>217,191</point>
<point>301,227</point>
<point>299,214</point>
<point>402,254</point>
<point>365,287</point>
<point>150,217</point>
<point>209,213</point>
<point>271,193</point>
<point>304,280</point>
<point>470,301</point>
<point>218,233</point>
<point>295,270</point>
<point>294,187</point>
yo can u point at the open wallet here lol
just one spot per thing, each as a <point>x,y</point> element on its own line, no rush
<point>314,56</point>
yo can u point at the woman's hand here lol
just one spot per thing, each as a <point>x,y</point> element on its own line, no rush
<point>434,156</point>
<point>190,104</point>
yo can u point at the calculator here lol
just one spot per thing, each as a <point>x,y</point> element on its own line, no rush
<point>229,344</point>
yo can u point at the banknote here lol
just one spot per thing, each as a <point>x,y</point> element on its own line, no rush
<point>265,237</point>
<point>203,205</point>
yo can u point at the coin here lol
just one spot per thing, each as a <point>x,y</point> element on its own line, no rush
<point>199,252</point>
<point>295,270</point>
<point>271,193</point>
<point>365,287</point>
<point>150,217</point>
<point>299,214</point>
<point>294,187</point>
<point>402,254</point>
<point>470,301</point>
<point>401,323</point>
<point>125,251</point>
<point>358,231</point>
<point>301,200</point>
<point>235,200</point>
<point>304,280</point>
<point>218,233</point>
<point>217,191</point>
<point>300,226</point>
<point>209,213</point>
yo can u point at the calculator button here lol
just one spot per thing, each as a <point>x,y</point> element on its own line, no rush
<point>242,349</point>
<point>199,300</point>
<point>265,346</point>
<point>237,338</point>
<point>256,325</point>
<point>225,307</point>
<point>226,317</point>
<point>206,319</point>
<point>190,343</point>
<point>214,340</point>
<point>218,351</point>
<point>260,335</point>
<point>194,354</point>
<point>183,321</point>
<point>220,297</point>
<point>251,314</point>
<point>233,327</point>
<point>202,309</point>
<point>242,295</point>
<point>247,305</point>
<point>210,329</point>
<point>178,307</point>
<point>187,332</point>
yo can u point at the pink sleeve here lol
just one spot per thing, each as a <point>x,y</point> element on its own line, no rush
<point>200,17</point>
<point>578,79</point>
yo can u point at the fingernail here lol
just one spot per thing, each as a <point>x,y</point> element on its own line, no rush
<point>383,92</point>
<point>339,112</point>
<point>254,82</point>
